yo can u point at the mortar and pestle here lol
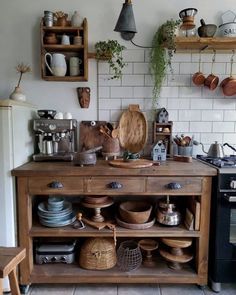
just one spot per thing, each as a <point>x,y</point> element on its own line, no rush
<point>206,30</point>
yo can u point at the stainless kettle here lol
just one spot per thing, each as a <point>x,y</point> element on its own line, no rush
<point>216,150</point>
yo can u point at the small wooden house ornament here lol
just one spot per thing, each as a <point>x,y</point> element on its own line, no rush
<point>159,151</point>
<point>162,116</point>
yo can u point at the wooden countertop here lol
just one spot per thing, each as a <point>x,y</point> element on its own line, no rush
<point>102,168</point>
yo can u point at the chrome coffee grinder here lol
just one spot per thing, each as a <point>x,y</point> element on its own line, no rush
<point>56,139</point>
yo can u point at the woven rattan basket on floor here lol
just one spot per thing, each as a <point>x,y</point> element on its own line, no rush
<point>98,253</point>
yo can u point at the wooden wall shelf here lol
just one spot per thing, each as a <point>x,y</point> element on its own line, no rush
<point>197,43</point>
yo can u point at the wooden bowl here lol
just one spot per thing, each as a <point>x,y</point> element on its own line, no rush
<point>135,212</point>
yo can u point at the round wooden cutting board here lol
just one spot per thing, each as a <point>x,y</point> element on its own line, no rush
<point>139,163</point>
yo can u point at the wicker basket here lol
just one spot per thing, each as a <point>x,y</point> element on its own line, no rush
<point>98,254</point>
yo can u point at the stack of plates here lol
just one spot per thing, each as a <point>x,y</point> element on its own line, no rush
<point>55,216</point>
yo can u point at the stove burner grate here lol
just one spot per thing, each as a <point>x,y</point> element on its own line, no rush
<point>227,161</point>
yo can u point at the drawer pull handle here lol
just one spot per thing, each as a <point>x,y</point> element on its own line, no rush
<point>174,185</point>
<point>56,184</point>
<point>115,185</point>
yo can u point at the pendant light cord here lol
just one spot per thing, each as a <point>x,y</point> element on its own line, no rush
<point>140,46</point>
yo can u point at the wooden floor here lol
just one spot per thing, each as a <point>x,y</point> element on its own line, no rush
<point>128,289</point>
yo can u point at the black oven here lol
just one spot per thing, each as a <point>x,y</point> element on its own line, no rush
<point>222,250</point>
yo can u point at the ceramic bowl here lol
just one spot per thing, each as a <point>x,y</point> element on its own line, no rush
<point>47,114</point>
<point>135,212</point>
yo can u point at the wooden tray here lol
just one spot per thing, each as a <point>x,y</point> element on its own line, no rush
<point>145,225</point>
<point>139,163</point>
<point>133,129</point>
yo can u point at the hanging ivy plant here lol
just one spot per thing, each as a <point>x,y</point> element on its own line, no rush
<point>163,47</point>
<point>111,51</point>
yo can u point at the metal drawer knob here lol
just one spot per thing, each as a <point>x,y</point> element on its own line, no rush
<point>173,185</point>
<point>56,184</point>
<point>114,185</point>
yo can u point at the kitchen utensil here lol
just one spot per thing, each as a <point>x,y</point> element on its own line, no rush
<point>133,129</point>
<point>228,85</point>
<point>187,16</point>
<point>135,212</point>
<point>216,150</point>
<point>145,225</point>
<point>139,163</point>
<point>168,214</point>
<point>212,80</point>
<point>47,114</point>
<point>129,256</point>
<point>97,217</point>
<point>65,39</point>
<point>57,65</point>
<point>206,30</point>
<point>148,245</point>
<point>79,224</point>
<point>88,157</point>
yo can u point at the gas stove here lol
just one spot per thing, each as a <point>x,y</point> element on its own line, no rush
<point>225,162</point>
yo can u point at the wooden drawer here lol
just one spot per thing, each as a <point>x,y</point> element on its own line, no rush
<point>57,185</point>
<point>189,185</point>
<point>103,185</point>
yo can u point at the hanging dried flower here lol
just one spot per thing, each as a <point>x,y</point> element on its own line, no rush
<point>22,69</point>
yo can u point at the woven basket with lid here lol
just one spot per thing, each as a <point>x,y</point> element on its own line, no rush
<point>98,254</point>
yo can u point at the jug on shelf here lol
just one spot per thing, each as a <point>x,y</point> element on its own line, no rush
<point>58,64</point>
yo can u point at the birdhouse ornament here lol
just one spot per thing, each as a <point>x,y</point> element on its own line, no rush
<point>162,116</point>
<point>159,151</point>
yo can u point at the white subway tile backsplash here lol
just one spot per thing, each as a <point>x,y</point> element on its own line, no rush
<point>104,92</point>
<point>224,104</point>
<point>178,103</point>
<point>104,80</point>
<point>141,68</point>
<point>200,127</point>
<point>128,68</point>
<point>230,138</point>
<point>189,115</point>
<point>121,92</point>
<point>148,80</point>
<point>108,104</point>
<point>134,55</point>
<point>223,127</point>
<point>209,115</point>
<point>132,80</point>
<point>144,92</point>
<point>169,92</point>
<point>179,80</point>
<point>201,104</point>
<point>104,115</point>
<point>207,138</point>
<point>190,92</point>
<point>188,68</point>
<point>212,115</point>
<point>230,115</point>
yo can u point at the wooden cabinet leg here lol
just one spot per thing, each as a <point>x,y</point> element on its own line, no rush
<point>1,286</point>
<point>14,282</point>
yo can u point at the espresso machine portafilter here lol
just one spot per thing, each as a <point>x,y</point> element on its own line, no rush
<point>56,139</point>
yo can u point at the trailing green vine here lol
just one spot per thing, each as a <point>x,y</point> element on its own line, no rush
<point>161,54</point>
<point>111,51</point>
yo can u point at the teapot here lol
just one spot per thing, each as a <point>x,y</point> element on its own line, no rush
<point>216,150</point>
<point>58,64</point>
<point>167,213</point>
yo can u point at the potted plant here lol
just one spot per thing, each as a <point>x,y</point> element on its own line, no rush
<point>161,54</point>
<point>111,51</point>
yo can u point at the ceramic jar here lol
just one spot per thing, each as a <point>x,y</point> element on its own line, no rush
<point>57,65</point>
<point>17,94</point>
<point>75,19</point>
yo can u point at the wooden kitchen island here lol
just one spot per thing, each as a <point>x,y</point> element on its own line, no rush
<point>36,181</point>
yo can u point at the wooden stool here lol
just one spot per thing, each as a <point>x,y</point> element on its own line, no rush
<point>10,257</point>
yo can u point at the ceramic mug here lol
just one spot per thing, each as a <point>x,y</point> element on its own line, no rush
<point>75,63</point>
<point>65,40</point>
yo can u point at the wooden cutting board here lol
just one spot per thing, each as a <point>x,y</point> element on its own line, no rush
<point>140,163</point>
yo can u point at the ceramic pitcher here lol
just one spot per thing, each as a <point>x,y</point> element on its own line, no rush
<point>57,65</point>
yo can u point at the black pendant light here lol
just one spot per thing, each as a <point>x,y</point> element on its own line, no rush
<point>126,22</point>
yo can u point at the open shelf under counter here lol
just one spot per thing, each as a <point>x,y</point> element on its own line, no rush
<point>72,273</point>
<point>197,43</point>
<point>156,230</point>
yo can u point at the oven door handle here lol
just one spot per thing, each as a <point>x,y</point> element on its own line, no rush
<point>230,199</point>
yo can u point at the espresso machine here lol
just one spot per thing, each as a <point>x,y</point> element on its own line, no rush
<point>56,139</point>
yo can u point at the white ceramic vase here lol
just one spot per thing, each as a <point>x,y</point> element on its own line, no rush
<point>75,19</point>
<point>17,94</point>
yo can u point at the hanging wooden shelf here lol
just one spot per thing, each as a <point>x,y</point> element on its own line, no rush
<point>197,43</point>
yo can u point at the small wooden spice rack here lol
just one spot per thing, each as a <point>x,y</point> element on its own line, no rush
<point>71,50</point>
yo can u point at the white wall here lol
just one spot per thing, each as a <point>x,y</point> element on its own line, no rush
<point>206,114</point>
